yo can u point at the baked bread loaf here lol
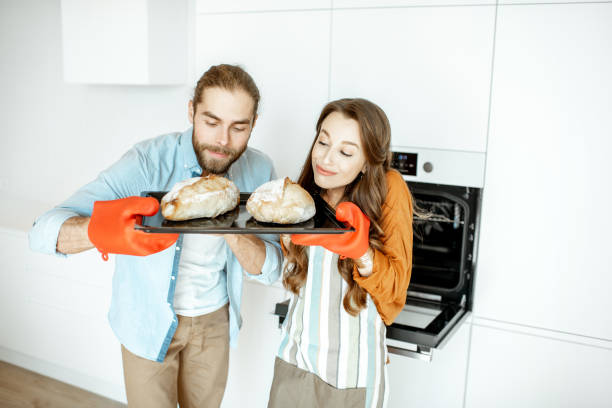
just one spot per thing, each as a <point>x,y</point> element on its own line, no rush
<point>281,201</point>
<point>200,197</point>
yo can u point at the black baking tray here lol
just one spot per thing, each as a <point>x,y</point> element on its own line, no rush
<point>239,221</point>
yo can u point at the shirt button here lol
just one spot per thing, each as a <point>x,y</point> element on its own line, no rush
<point>172,278</point>
<point>178,248</point>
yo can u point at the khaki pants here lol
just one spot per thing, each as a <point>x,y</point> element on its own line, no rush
<point>194,372</point>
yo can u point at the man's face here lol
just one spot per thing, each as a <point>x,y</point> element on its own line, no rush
<point>222,124</point>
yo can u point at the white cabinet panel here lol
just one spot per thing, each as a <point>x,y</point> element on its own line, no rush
<point>545,2</point>
<point>545,258</point>
<point>518,370</point>
<point>287,55</point>
<point>407,3</point>
<point>124,41</point>
<point>54,312</point>
<point>439,383</point>
<point>428,68</point>
<point>211,6</point>
<point>252,362</point>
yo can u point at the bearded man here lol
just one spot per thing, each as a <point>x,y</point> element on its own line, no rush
<point>175,307</point>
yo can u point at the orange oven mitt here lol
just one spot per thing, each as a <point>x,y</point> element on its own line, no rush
<point>348,245</point>
<point>111,227</point>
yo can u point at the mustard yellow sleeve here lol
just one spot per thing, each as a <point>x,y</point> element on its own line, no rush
<point>388,283</point>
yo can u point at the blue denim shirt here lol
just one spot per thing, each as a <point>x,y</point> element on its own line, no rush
<point>141,312</point>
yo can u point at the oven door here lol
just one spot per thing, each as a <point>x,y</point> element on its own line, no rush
<point>422,326</point>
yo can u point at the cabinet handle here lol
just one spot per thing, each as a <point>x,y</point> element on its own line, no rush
<point>421,353</point>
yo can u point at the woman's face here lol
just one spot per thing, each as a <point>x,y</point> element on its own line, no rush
<point>337,156</point>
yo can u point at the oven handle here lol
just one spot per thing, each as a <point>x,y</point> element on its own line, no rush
<point>421,353</point>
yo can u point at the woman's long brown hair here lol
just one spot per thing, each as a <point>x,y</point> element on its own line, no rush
<point>367,191</point>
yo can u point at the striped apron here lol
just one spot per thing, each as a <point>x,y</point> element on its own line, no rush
<point>319,336</point>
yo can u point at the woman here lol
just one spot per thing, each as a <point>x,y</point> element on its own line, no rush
<point>345,287</point>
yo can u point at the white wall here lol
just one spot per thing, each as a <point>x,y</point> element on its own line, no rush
<point>57,136</point>
<point>527,83</point>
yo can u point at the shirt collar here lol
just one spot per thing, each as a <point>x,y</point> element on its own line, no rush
<point>189,156</point>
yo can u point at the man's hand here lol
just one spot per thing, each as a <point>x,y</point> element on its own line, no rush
<point>249,250</point>
<point>348,245</point>
<point>72,237</point>
<point>111,227</point>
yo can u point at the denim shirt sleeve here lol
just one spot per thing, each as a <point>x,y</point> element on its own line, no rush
<point>127,177</point>
<point>271,268</point>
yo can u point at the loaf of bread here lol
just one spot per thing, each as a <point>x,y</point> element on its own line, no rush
<point>281,201</point>
<point>200,197</point>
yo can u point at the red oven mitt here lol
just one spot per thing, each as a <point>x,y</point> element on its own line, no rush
<point>348,245</point>
<point>111,227</point>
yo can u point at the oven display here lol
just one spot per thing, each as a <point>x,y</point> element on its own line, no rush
<point>405,163</point>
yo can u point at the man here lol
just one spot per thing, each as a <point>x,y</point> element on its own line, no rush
<point>176,307</point>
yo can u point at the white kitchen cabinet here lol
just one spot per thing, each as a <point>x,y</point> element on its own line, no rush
<point>407,3</point>
<point>54,316</point>
<point>137,42</point>
<point>428,68</point>
<point>252,362</point>
<point>533,2</point>
<point>287,55</point>
<point>439,383</point>
<point>513,369</point>
<point>545,256</point>
<point>231,6</point>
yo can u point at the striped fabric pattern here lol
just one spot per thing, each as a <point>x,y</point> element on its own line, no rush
<point>319,336</point>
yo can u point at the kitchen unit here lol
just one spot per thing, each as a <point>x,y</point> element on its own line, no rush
<point>129,42</point>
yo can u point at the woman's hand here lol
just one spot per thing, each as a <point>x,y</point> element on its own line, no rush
<point>348,245</point>
<point>285,239</point>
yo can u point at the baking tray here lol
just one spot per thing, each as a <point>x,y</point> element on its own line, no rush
<point>239,221</point>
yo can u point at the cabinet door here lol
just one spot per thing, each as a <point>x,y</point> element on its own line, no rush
<point>287,55</point>
<point>427,68</point>
<point>439,383</point>
<point>531,2</point>
<point>545,256</point>
<point>407,3</point>
<point>210,6</point>
<point>510,369</point>
<point>54,318</point>
<point>252,362</point>
<point>140,42</point>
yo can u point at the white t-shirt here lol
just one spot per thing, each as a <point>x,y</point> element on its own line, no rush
<point>201,283</point>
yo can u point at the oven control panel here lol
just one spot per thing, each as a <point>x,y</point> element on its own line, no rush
<point>405,163</point>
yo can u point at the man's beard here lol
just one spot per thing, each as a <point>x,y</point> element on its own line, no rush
<point>215,166</point>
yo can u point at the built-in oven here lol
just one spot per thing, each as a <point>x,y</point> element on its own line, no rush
<point>447,188</point>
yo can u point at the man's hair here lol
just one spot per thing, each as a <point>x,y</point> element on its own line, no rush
<point>230,77</point>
